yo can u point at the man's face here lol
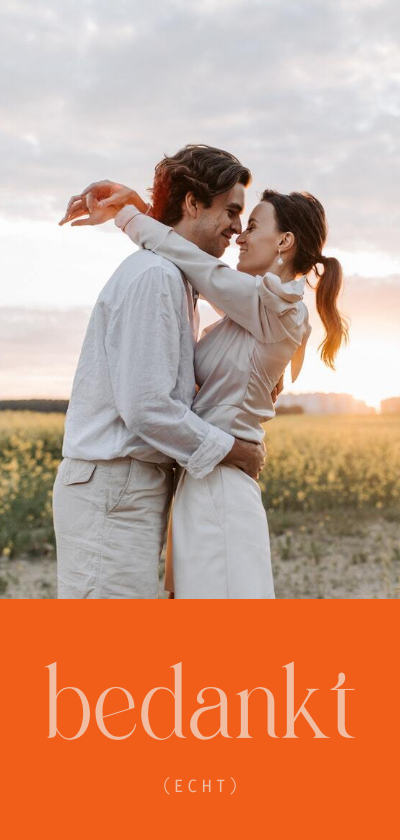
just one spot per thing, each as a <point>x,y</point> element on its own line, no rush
<point>214,226</point>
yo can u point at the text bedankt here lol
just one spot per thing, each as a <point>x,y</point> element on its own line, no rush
<point>200,715</point>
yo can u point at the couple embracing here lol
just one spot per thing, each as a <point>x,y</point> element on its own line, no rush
<point>163,426</point>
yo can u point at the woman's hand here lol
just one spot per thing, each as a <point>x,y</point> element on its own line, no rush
<point>277,390</point>
<point>100,202</point>
<point>97,215</point>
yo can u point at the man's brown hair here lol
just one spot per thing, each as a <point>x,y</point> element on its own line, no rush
<point>202,170</point>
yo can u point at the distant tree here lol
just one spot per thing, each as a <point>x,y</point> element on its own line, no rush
<point>292,409</point>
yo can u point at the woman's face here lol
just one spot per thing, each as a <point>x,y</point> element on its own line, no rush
<point>259,243</point>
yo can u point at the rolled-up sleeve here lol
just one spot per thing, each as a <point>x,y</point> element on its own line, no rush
<point>143,353</point>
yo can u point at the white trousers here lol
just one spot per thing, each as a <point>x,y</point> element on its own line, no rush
<point>110,519</point>
<point>220,539</point>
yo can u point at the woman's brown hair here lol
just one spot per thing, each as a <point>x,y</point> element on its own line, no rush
<point>304,216</point>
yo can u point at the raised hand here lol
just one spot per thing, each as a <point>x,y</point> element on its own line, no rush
<point>85,202</point>
<point>97,215</point>
<point>99,202</point>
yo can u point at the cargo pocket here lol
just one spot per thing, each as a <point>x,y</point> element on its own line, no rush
<point>77,471</point>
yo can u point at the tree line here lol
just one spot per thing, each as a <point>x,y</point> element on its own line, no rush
<point>45,406</point>
<point>60,406</point>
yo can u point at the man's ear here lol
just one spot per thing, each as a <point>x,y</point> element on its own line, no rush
<point>191,205</point>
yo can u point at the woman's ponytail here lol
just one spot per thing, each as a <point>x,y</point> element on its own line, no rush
<point>327,291</point>
<point>304,216</point>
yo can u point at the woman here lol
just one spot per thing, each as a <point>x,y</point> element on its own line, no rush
<point>219,527</point>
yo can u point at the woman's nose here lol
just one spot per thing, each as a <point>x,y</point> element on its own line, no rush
<point>240,239</point>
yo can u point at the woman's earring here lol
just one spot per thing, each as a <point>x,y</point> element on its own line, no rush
<point>279,260</point>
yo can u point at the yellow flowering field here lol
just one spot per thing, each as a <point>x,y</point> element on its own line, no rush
<point>333,462</point>
<point>30,451</point>
<point>314,464</point>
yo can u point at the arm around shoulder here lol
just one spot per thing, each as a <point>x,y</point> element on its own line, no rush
<point>235,293</point>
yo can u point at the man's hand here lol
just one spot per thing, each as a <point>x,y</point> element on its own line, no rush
<point>249,457</point>
<point>277,390</point>
<point>100,202</point>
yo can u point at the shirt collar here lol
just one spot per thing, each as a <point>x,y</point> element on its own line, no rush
<point>290,290</point>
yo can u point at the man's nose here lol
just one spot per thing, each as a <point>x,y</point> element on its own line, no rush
<point>236,225</point>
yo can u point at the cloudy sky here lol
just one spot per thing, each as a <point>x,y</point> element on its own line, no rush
<point>306,93</point>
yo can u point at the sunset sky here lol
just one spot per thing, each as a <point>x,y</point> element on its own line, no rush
<point>307,94</point>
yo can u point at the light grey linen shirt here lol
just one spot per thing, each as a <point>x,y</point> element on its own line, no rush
<point>134,384</point>
<point>241,358</point>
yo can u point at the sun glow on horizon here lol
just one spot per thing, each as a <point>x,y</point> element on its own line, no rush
<point>366,369</point>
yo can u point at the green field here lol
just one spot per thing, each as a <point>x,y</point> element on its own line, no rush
<point>30,451</point>
<point>331,487</point>
<point>334,462</point>
<point>315,464</point>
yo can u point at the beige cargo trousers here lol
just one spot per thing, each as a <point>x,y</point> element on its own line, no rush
<point>110,519</point>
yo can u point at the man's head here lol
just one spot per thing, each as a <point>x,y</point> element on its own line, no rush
<point>200,192</point>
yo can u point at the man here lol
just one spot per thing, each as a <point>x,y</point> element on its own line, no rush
<point>129,418</point>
